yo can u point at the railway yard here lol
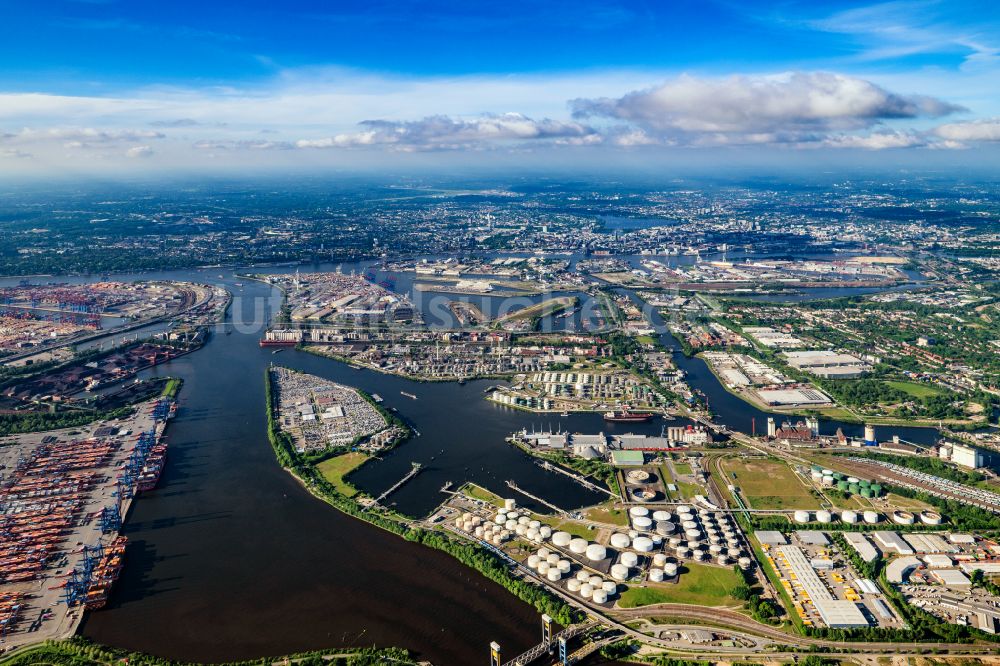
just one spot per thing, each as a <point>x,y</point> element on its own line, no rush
<point>63,496</point>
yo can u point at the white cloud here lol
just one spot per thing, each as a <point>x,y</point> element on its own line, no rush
<point>139,151</point>
<point>447,133</point>
<point>985,129</point>
<point>746,109</point>
<point>876,141</point>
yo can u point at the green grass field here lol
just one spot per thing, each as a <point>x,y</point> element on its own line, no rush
<point>335,469</point>
<point>607,514</point>
<point>700,585</point>
<point>682,468</point>
<point>768,484</point>
<point>480,493</point>
<point>916,389</point>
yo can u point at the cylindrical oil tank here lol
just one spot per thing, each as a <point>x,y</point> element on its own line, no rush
<point>871,517</point>
<point>643,544</point>
<point>824,516</point>
<point>521,530</point>
<point>642,522</point>
<point>479,531</point>
<point>586,590</point>
<point>656,575</point>
<point>534,524</point>
<point>553,574</point>
<point>689,524</point>
<point>828,480</point>
<point>683,508</point>
<point>683,551</point>
<point>543,567</point>
<point>722,560</point>
<point>564,566</point>
<point>552,558</point>
<point>533,535</point>
<point>496,539</point>
<point>669,569</point>
<point>510,525</point>
<point>578,546</point>
<point>544,553</point>
<point>715,549</point>
<point>596,552</point>
<point>619,540</point>
<point>692,534</point>
<point>714,540</point>
<point>745,563</point>
<point>574,585</point>
<point>637,511</point>
<point>849,517</point>
<point>545,531</point>
<point>561,539</point>
<point>675,541</point>
<point>523,520</point>
<point>700,555</point>
<point>733,552</point>
<point>665,528</point>
<point>582,576</point>
<point>600,597</point>
<point>692,544</point>
<point>661,515</point>
<point>501,518</point>
<point>802,516</point>
<point>659,560</point>
<point>930,518</point>
<point>595,581</point>
<point>902,517</point>
<point>533,561</point>
<point>619,572</point>
<point>609,586</point>
<point>629,559</point>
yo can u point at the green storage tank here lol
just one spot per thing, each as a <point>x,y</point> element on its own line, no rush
<point>817,468</point>
<point>839,476</point>
<point>867,492</point>
<point>853,487</point>
<point>876,490</point>
<point>865,484</point>
<point>842,485</point>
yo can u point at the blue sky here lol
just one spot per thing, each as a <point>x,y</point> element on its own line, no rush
<point>88,84</point>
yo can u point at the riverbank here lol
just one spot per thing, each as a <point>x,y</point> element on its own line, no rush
<point>316,351</point>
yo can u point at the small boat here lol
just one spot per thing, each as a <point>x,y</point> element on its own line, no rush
<point>564,413</point>
<point>277,351</point>
<point>408,395</point>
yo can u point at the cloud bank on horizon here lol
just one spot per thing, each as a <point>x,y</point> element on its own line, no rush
<point>880,77</point>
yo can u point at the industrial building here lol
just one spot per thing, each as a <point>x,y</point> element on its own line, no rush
<point>828,364</point>
<point>862,545</point>
<point>835,613</point>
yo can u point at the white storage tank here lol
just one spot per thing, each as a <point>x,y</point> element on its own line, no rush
<point>578,546</point>
<point>533,561</point>
<point>849,517</point>
<point>479,532</point>
<point>669,569</point>
<point>802,516</point>
<point>930,518</point>
<point>659,560</point>
<point>596,552</point>
<point>553,574</point>
<point>715,549</point>
<point>689,524</point>
<point>521,530</point>
<point>574,585</point>
<point>629,559</point>
<point>552,559</point>
<point>619,572</point>
<point>544,553</point>
<point>523,520</point>
<point>609,586</point>
<point>734,552</point>
<point>745,563</point>
<point>692,534</point>
<point>586,590</point>
<point>676,541</point>
<point>661,515</point>
<point>656,575</point>
<point>595,581</point>
<point>564,566</point>
<point>871,517</point>
<point>501,518</point>
<point>534,524</point>
<point>700,555</point>
<point>902,517</point>
<point>665,528</point>
<point>543,567</point>
<point>620,540</point>
<point>510,525</point>
<point>510,504</point>
<point>545,531</point>
<point>722,560</point>
<point>562,539</point>
<point>533,535</point>
<point>643,544</point>
<point>683,552</point>
<point>824,516</point>
<point>638,511</point>
<point>642,522</point>
<point>600,597</point>
<point>582,576</point>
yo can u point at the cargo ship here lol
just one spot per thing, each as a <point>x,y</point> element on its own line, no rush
<point>626,416</point>
<point>105,574</point>
<point>151,471</point>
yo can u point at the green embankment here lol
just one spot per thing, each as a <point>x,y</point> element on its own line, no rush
<point>699,584</point>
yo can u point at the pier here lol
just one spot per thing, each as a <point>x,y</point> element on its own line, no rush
<point>549,467</point>
<point>513,486</point>
<point>399,484</point>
